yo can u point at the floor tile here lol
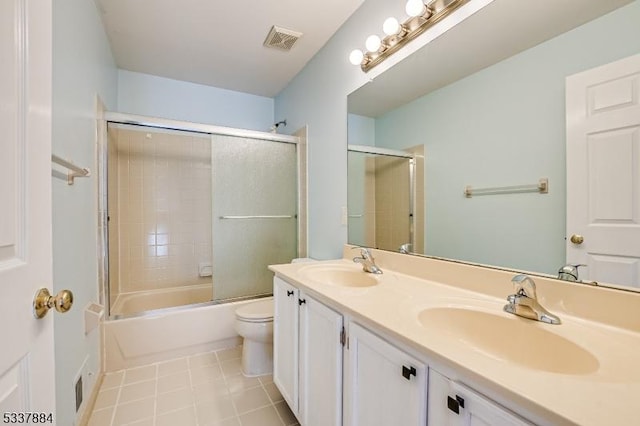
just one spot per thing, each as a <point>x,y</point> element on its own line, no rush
<point>101,417</point>
<point>266,416</point>
<point>175,400</point>
<point>211,390</point>
<point>134,411</point>
<point>200,360</point>
<point>215,411</point>
<point>174,382</point>
<point>250,399</point>
<point>273,392</point>
<point>106,398</point>
<point>231,367</point>
<point>285,414</point>
<point>229,353</point>
<point>135,391</point>
<point>139,374</point>
<point>205,373</point>
<point>172,367</point>
<point>183,417</point>
<point>266,379</point>
<point>239,383</point>
<point>206,389</point>
<point>112,380</point>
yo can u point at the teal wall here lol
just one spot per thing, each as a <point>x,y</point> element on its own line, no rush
<point>505,125</point>
<point>155,96</point>
<point>82,68</point>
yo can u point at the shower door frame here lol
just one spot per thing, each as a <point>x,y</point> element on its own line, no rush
<point>374,150</point>
<point>186,126</point>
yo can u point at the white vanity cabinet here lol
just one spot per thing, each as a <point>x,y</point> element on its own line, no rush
<point>383,385</point>
<point>307,342</point>
<point>453,404</point>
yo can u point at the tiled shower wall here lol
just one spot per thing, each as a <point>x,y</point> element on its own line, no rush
<point>163,209</point>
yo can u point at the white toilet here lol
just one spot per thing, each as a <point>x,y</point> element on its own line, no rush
<point>254,322</point>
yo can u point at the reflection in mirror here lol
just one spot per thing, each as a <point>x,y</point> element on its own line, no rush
<point>497,118</point>
<point>382,198</point>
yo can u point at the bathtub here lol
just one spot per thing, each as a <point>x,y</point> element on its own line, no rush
<point>169,333</point>
<point>143,301</point>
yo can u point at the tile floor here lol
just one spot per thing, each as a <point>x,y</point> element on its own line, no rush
<point>202,390</point>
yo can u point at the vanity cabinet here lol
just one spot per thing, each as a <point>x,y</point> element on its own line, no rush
<point>307,340</point>
<point>383,385</point>
<point>453,404</point>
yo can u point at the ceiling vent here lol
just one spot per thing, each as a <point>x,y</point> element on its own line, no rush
<point>281,38</point>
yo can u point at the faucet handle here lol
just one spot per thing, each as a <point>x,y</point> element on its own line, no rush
<point>524,286</point>
<point>405,248</point>
<point>569,272</point>
<point>364,252</point>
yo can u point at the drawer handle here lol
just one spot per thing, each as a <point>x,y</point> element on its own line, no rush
<point>407,372</point>
<point>289,293</point>
<point>301,302</point>
<point>455,404</point>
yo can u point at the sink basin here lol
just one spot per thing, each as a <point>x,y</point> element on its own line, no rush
<point>516,340</point>
<point>340,275</point>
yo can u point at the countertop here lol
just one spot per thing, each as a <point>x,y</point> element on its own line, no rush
<point>604,393</point>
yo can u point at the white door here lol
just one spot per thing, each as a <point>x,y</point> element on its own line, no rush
<point>320,364</point>
<point>285,341</point>
<point>603,172</point>
<point>384,385</point>
<point>26,344</point>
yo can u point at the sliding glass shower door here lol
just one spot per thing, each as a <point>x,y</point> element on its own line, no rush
<point>254,186</point>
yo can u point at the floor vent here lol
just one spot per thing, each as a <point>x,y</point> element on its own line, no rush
<point>281,38</point>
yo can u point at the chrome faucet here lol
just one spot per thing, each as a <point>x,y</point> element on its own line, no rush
<point>569,272</point>
<point>367,260</point>
<point>405,248</point>
<point>524,302</point>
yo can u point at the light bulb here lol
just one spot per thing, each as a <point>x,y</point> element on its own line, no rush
<point>391,26</point>
<point>415,8</point>
<point>356,56</point>
<point>373,43</point>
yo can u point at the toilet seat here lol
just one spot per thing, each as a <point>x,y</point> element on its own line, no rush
<point>261,311</point>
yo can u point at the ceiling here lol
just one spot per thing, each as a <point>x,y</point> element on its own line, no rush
<point>501,29</point>
<point>220,43</point>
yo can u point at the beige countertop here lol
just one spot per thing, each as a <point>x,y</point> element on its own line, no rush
<point>601,389</point>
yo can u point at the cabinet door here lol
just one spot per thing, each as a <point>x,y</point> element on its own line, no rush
<point>285,341</point>
<point>320,364</point>
<point>385,386</point>
<point>453,404</point>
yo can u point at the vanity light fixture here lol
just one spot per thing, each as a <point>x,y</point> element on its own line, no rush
<point>421,17</point>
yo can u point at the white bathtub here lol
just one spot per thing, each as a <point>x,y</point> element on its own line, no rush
<point>143,301</point>
<point>164,335</point>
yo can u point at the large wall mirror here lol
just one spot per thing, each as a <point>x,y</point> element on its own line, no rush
<point>486,103</point>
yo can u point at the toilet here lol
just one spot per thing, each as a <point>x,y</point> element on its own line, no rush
<point>254,322</point>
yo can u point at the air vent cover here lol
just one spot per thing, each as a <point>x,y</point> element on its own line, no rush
<point>281,38</point>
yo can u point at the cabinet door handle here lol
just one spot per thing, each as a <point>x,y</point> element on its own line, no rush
<point>455,404</point>
<point>407,372</point>
<point>289,293</point>
<point>301,302</point>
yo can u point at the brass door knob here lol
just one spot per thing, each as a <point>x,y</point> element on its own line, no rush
<point>577,239</point>
<point>43,301</point>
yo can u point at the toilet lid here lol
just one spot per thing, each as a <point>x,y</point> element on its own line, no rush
<point>256,310</point>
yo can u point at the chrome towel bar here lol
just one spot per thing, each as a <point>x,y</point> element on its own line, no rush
<point>542,187</point>
<point>259,217</point>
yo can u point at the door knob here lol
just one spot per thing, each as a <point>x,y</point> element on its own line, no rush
<point>577,239</point>
<point>43,301</point>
